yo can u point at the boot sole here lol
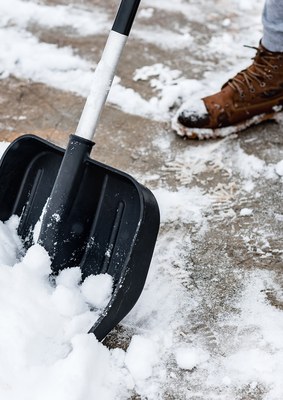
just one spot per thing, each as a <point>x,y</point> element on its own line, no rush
<point>201,134</point>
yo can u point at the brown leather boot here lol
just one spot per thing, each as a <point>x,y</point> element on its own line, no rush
<point>252,96</point>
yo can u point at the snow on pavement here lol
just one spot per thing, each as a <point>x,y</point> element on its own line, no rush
<point>45,351</point>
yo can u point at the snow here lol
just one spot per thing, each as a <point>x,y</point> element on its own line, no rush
<point>97,290</point>
<point>256,359</point>
<point>10,242</point>
<point>3,147</point>
<point>23,55</point>
<point>246,212</point>
<point>189,357</point>
<point>20,53</point>
<point>45,350</point>
<point>44,329</point>
<point>172,204</point>
<point>141,356</point>
<point>279,168</point>
<point>23,14</point>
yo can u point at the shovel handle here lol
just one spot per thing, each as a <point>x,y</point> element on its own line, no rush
<point>125,16</point>
<point>106,68</point>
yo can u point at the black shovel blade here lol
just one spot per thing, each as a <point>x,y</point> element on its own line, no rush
<point>111,225</point>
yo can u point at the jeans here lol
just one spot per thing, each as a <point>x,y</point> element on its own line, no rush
<point>272,19</point>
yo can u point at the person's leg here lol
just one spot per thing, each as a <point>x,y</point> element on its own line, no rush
<point>272,20</point>
<point>252,96</point>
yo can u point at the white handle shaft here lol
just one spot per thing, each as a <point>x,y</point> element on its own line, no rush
<point>101,84</point>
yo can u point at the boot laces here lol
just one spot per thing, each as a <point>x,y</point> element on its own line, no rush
<point>257,74</point>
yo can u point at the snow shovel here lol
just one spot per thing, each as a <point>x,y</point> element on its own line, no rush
<point>91,215</point>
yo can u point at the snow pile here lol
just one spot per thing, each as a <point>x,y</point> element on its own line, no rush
<point>44,327</point>
<point>141,356</point>
<point>45,322</point>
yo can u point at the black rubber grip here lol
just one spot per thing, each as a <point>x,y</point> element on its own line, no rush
<point>125,16</point>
